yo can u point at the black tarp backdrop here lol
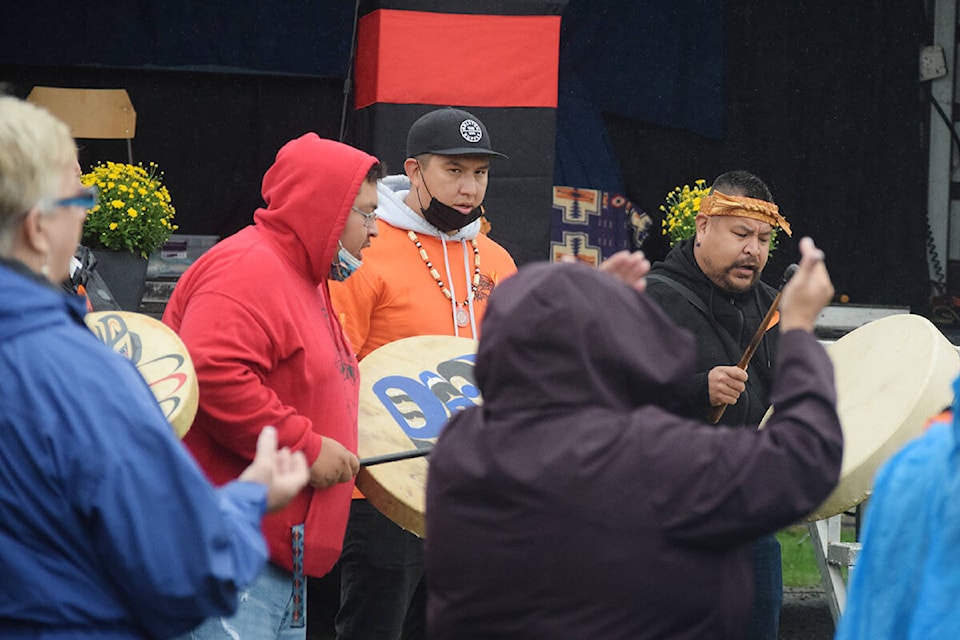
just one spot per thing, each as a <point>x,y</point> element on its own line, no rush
<point>657,61</point>
<point>306,38</point>
<point>218,87</point>
<point>213,135</point>
<point>842,148</point>
<point>821,99</point>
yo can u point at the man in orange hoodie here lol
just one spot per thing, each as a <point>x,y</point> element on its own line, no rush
<point>430,272</point>
<point>255,314</point>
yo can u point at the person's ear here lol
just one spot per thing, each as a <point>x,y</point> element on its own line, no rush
<point>32,229</point>
<point>412,168</point>
<point>701,223</point>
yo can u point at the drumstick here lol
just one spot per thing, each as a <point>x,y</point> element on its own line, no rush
<point>393,457</point>
<point>716,413</point>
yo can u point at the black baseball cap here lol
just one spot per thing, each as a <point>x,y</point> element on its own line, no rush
<point>449,132</point>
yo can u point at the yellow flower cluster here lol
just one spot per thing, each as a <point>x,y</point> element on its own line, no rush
<point>133,212</point>
<point>680,210</point>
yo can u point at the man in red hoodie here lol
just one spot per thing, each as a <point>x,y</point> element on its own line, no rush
<point>254,312</point>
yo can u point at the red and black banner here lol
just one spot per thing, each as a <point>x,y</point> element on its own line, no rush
<point>497,60</point>
<point>478,60</point>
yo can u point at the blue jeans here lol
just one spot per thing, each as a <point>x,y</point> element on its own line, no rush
<point>381,568</point>
<point>767,589</point>
<point>265,612</point>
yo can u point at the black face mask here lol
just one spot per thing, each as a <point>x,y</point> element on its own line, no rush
<point>445,217</point>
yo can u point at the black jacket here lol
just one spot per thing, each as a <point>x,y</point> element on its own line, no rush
<point>723,325</point>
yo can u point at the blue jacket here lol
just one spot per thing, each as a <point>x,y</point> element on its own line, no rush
<point>108,528</point>
<point>906,583</point>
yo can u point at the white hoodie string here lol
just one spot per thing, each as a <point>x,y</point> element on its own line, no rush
<point>466,275</point>
<point>453,289</point>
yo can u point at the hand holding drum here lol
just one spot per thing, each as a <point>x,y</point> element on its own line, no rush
<point>334,465</point>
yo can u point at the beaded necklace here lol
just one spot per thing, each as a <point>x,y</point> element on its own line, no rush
<point>461,312</point>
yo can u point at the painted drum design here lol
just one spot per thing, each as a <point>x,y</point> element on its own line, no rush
<point>159,355</point>
<point>408,390</point>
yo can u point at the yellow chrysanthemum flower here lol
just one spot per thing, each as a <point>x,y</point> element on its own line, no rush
<point>132,213</point>
<point>680,210</point>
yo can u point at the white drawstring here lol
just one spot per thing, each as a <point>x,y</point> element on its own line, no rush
<point>453,290</point>
<point>467,274</point>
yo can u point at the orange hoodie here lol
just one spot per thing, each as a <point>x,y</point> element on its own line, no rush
<point>393,295</point>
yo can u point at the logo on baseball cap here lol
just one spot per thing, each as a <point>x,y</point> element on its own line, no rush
<point>449,132</point>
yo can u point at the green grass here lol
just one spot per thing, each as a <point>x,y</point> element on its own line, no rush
<point>799,561</point>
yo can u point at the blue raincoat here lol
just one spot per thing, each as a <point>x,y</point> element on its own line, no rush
<point>108,529</point>
<point>906,583</point>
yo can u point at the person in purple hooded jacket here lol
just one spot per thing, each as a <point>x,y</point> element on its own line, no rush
<point>576,504</point>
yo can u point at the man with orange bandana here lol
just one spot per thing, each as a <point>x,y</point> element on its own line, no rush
<point>710,284</point>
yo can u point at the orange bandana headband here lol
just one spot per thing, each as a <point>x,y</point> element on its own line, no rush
<point>720,204</point>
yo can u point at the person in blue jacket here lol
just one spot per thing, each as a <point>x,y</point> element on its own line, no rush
<point>108,528</point>
<point>906,583</point>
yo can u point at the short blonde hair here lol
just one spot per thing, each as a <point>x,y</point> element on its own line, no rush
<point>35,147</point>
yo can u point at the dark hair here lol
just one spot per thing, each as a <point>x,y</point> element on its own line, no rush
<point>377,171</point>
<point>742,183</point>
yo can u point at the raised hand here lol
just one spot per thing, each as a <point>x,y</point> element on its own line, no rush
<point>808,291</point>
<point>284,472</point>
<point>628,267</point>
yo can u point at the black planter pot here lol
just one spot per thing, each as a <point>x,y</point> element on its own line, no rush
<point>125,275</point>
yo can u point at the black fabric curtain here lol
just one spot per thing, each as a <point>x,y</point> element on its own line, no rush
<point>657,61</point>
<point>822,101</point>
<point>833,121</point>
<point>306,38</point>
<point>213,135</point>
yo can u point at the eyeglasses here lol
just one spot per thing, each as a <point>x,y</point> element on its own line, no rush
<point>86,198</point>
<point>368,218</point>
